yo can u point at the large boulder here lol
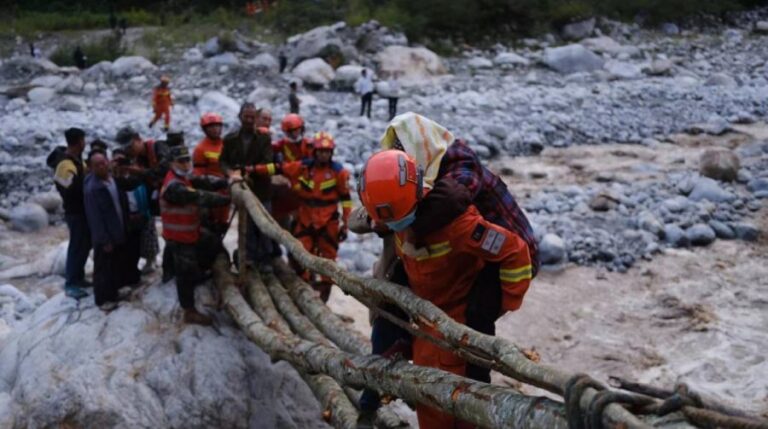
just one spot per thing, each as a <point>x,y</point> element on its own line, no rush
<point>26,67</point>
<point>623,70</point>
<point>480,63</point>
<point>571,59</point>
<point>346,76</point>
<point>578,30</point>
<point>372,37</point>
<point>761,27</point>
<point>700,234</point>
<point>211,47</point>
<point>660,67</point>
<point>414,64</point>
<point>41,95</point>
<point>215,101</point>
<point>131,66</point>
<point>315,72</point>
<point>264,62</point>
<point>719,164</point>
<point>50,201</point>
<point>323,42</point>
<point>193,55</point>
<point>224,59</point>
<point>68,363</point>
<point>48,81</point>
<point>28,217</point>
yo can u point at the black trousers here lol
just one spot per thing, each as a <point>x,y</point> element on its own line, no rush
<point>392,107</point>
<point>365,104</point>
<point>190,262</point>
<point>132,254</point>
<point>108,270</point>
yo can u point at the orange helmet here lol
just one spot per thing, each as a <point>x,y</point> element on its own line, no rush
<point>390,186</point>
<point>211,119</point>
<point>323,140</point>
<point>291,122</point>
<point>165,78</point>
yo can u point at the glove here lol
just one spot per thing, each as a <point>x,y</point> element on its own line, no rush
<point>261,169</point>
<point>343,233</point>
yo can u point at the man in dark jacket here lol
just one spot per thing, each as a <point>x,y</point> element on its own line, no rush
<point>105,208</point>
<point>69,175</point>
<point>193,249</point>
<point>251,145</point>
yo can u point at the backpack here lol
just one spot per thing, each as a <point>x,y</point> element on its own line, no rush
<point>56,156</point>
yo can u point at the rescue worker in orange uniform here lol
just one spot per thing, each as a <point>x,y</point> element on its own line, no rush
<point>442,266</point>
<point>292,147</point>
<point>322,185</point>
<point>161,103</point>
<point>205,161</point>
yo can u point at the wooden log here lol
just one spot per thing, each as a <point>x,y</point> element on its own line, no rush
<point>508,358</point>
<point>329,323</point>
<point>477,403</point>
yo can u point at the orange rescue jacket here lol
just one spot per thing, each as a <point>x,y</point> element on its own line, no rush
<point>287,151</point>
<point>321,190</point>
<point>161,99</point>
<point>205,158</point>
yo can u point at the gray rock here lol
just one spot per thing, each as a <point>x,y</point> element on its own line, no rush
<point>606,45</point>
<point>719,164</point>
<point>28,217</point>
<point>74,104</point>
<point>746,231</point>
<point>675,236</point>
<point>603,202</point>
<point>660,67</point>
<point>131,66</point>
<point>50,201</point>
<point>700,234</point>
<point>41,95</point>
<point>744,176</point>
<point>670,29</point>
<point>676,204</point>
<point>193,55</point>
<point>578,30</point>
<point>571,59</point>
<point>708,189</point>
<point>761,194</point>
<point>345,76</point>
<point>264,62</point>
<point>480,63</point>
<point>758,184</point>
<point>49,81</point>
<point>224,59</point>
<point>211,47</point>
<point>552,249</point>
<point>623,70</point>
<point>318,42</point>
<point>761,27</point>
<point>414,64</point>
<point>721,79</point>
<point>510,59</point>
<point>647,221</point>
<point>722,230</point>
<point>215,101</point>
<point>314,71</point>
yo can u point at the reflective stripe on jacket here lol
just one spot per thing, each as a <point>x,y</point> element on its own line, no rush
<point>181,223</point>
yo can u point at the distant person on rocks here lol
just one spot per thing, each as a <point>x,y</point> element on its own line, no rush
<point>79,58</point>
<point>251,145</point>
<point>364,87</point>
<point>162,103</point>
<point>193,249</point>
<point>105,208</point>
<point>123,26</point>
<point>31,49</point>
<point>283,60</point>
<point>393,93</point>
<point>293,98</point>
<point>68,177</point>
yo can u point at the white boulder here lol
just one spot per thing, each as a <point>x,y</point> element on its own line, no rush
<point>314,71</point>
<point>347,75</point>
<point>131,66</point>
<point>606,45</point>
<point>578,30</point>
<point>48,81</point>
<point>623,70</point>
<point>414,64</point>
<point>761,27</point>
<point>193,55</point>
<point>224,59</point>
<point>215,101</point>
<point>571,59</point>
<point>510,59</point>
<point>74,104</point>
<point>721,79</point>
<point>28,217</point>
<point>263,95</point>
<point>139,366</point>
<point>480,63</point>
<point>41,95</point>
<point>264,62</point>
<point>50,201</point>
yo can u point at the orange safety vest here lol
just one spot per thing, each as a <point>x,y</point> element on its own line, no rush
<point>205,157</point>
<point>293,151</point>
<point>181,222</point>
<point>321,189</point>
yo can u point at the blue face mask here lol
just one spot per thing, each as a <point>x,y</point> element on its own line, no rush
<point>403,223</point>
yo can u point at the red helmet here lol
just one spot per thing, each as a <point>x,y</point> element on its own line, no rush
<point>323,140</point>
<point>390,185</point>
<point>291,122</point>
<point>210,119</point>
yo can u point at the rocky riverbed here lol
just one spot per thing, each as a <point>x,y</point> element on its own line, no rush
<point>641,157</point>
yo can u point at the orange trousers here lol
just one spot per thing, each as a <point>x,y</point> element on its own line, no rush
<point>428,354</point>
<point>324,243</point>
<point>165,113</point>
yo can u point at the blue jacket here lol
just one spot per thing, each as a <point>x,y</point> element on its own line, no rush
<point>102,215</point>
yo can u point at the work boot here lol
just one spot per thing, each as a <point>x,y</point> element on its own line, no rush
<point>191,315</point>
<point>75,292</point>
